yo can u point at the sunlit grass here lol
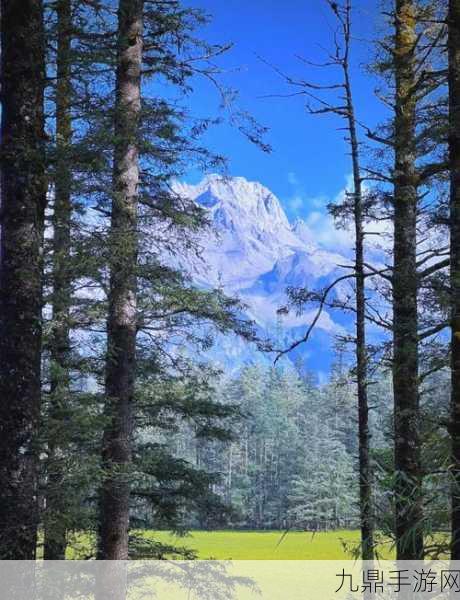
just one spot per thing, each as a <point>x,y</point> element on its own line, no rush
<point>264,545</point>
<point>248,545</point>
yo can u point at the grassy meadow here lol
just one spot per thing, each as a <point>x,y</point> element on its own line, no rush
<point>250,545</point>
<point>264,545</point>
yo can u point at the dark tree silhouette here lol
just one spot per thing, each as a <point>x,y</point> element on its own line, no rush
<point>454,146</point>
<point>22,221</point>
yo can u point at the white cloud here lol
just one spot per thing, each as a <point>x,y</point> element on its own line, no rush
<point>298,203</point>
<point>319,202</point>
<point>325,231</point>
<point>295,203</point>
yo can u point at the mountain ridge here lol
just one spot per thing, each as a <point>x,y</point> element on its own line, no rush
<point>255,253</point>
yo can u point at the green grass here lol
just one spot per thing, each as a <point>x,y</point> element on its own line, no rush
<point>255,545</point>
<point>264,545</point>
<point>244,545</point>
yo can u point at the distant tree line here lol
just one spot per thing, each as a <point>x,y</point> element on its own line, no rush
<point>293,463</point>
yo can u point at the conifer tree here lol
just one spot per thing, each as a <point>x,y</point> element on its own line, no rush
<point>453,21</point>
<point>22,223</point>
<point>55,498</point>
<point>122,320</point>
<point>414,136</point>
<point>152,303</point>
<point>408,497</point>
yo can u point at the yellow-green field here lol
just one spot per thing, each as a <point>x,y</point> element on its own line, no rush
<point>264,545</point>
<point>254,545</point>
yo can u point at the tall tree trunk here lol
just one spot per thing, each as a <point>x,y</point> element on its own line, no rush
<point>230,474</point>
<point>23,191</point>
<point>454,147</point>
<point>122,320</point>
<point>408,500</point>
<point>365,469</point>
<point>55,510</point>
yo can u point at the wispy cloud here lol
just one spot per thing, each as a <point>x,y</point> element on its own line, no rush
<point>296,203</point>
<point>325,231</point>
<point>321,225</point>
<point>299,203</point>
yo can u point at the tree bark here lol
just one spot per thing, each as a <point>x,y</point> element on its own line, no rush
<point>122,320</point>
<point>365,469</point>
<point>408,498</point>
<point>23,191</point>
<point>454,152</point>
<point>55,517</point>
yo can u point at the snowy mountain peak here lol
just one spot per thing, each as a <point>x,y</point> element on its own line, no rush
<point>232,195</point>
<point>251,230</point>
<point>255,252</point>
<point>303,232</point>
<point>253,241</point>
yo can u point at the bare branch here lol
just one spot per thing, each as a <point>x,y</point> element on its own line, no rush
<point>434,268</point>
<point>323,300</point>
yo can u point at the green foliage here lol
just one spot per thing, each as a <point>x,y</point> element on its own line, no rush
<point>291,464</point>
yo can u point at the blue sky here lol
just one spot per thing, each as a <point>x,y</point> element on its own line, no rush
<point>308,164</point>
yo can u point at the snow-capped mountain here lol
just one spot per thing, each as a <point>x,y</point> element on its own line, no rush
<point>254,252</point>
<point>252,230</point>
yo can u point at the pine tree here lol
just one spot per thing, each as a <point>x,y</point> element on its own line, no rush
<point>151,303</point>
<point>408,501</point>
<point>22,220</point>
<point>454,146</point>
<point>56,498</point>
<point>122,320</point>
<point>357,200</point>
<point>415,138</point>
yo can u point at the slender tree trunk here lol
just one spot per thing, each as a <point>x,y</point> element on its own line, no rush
<point>122,320</point>
<point>23,199</point>
<point>230,474</point>
<point>365,469</point>
<point>55,510</point>
<point>454,147</point>
<point>408,500</point>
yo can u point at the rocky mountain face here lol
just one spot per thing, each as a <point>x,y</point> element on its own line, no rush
<point>253,251</point>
